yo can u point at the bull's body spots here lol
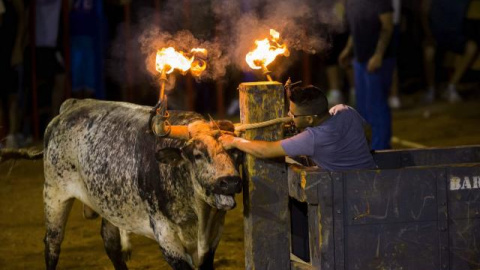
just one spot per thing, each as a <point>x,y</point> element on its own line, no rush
<point>103,154</point>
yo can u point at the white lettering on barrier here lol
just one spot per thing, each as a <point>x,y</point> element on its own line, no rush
<point>457,183</point>
<point>454,183</point>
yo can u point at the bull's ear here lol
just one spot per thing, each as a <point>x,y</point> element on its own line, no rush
<point>169,155</point>
<point>225,125</point>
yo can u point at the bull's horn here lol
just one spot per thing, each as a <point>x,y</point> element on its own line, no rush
<point>162,128</point>
<point>179,132</point>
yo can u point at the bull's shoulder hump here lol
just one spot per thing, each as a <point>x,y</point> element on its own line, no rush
<point>91,104</point>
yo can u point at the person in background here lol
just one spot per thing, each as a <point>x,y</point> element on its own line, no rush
<point>339,36</point>
<point>335,140</point>
<point>460,34</point>
<point>371,28</point>
<point>50,66</point>
<point>87,31</point>
<point>394,99</point>
<point>12,33</point>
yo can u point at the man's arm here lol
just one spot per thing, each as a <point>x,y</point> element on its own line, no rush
<point>260,149</point>
<point>386,31</point>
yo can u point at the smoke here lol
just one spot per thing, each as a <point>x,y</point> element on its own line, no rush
<point>154,39</point>
<point>228,29</point>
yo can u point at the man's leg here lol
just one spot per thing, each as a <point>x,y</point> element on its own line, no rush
<point>360,70</point>
<point>466,60</point>
<point>334,94</point>
<point>378,86</point>
<point>429,69</point>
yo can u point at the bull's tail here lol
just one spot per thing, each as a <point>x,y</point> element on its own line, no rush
<point>22,153</point>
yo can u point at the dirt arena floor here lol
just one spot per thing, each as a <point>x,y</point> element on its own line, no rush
<point>21,206</point>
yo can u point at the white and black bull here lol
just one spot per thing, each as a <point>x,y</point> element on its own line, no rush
<point>171,190</point>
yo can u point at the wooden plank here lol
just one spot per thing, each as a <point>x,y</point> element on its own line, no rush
<point>386,196</point>
<point>314,229</point>
<point>326,228</point>
<point>266,214</point>
<point>395,159</point>
<point>338,220</point>
<point>303,183</point>
<point>301,266</point>
<point>442,213</point>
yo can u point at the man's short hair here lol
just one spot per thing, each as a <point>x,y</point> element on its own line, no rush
<point>310,99</point>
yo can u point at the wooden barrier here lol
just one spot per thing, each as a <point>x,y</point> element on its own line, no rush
<point>419,210</point>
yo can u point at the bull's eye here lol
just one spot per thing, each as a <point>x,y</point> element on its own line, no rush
<point>198,156</point>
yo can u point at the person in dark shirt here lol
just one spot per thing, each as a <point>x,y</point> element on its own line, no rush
<point>334,140</point>
<point>371,27</point>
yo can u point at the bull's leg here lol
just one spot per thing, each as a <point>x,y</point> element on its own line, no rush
<point>208,260</point>
<point>213,232</point>
<point>56,214</point>
<point>175,261</point>
<point>112,242</point>
<point>171,247</point>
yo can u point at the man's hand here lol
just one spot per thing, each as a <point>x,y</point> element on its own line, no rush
<point>344,59</point>
<point>227,141</point>
<point>374,63</point>
<point>338,108</point>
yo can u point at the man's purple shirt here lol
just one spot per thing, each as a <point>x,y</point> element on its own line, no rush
<point>338,144</point>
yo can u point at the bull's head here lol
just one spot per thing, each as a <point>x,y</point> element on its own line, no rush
<point>214,174</point>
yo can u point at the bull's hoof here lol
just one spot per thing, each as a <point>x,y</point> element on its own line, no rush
<point>88,213</point>
<point>126,255</point>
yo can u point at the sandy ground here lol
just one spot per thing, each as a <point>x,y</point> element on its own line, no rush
<point>21,206</point>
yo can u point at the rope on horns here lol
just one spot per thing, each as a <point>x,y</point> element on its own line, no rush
<point>243,127</point>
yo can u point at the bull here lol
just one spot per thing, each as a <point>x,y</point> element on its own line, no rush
<point>172,190</point>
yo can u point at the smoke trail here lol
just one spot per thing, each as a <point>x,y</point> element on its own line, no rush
<point>228,29</point>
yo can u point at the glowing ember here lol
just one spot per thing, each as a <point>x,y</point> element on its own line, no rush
<point>267,50</point>
<point>168,59</point>
<point>199,64</point>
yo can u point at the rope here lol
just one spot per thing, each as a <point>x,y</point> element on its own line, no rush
<point>22,153</point>
<point>243,127</point>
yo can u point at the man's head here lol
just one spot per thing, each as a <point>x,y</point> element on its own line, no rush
<point>307,105</point>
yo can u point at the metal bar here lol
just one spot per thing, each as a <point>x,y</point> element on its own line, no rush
<point>189,97</point>
<point>128,55</point>
<point>33,70</point>
<point>156,4</point>
<point>66,48</point>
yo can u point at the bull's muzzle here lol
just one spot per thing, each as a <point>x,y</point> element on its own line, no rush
<point>228,185</point>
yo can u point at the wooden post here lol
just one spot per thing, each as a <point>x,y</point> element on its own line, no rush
<point>265,189</point>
